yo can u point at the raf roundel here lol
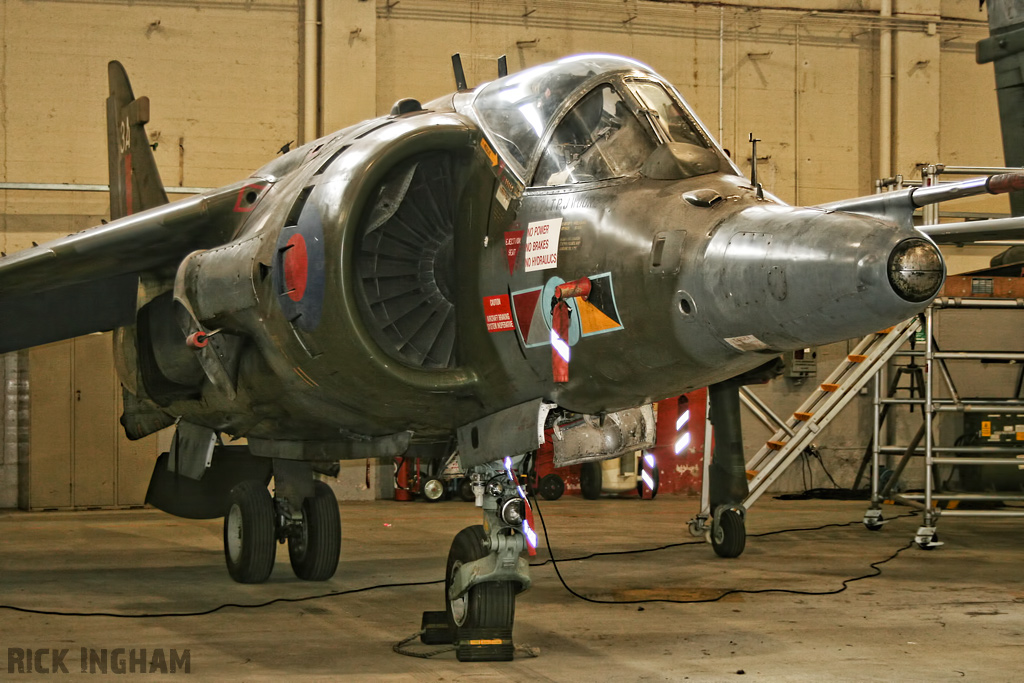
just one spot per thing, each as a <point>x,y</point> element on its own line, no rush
<point>299,266</point>
<point>296,267</point>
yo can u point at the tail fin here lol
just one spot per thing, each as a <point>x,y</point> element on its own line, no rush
<point>135,183</point>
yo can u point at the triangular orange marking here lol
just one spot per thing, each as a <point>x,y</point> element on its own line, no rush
<point>593,320</point>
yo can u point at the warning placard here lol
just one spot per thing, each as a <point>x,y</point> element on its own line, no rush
<point>513,239</point>
<point>541,250</point>
<point>498,313</point>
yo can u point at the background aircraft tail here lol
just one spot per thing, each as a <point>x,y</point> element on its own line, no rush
<point>135,183</point>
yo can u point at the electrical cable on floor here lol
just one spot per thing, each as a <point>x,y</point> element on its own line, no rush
<point>875,566</point>
<point>163,615</point>
<point>551,560</point>
<point>400,647</point>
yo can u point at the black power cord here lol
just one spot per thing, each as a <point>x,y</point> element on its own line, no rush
<point>164,615</point>
<point>875,566</point>
<point>551,560</point>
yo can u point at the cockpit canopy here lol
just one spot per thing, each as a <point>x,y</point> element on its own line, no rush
<point>589,118</point>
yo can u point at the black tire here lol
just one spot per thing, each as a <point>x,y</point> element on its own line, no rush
<point>250,542</point>
<point>728,533</point>
<point>466,490</point>
<point>655,477</point>
<point>551,487</point>
<point>314,552</point>
<point>590,480</point>
<point>489,605</point>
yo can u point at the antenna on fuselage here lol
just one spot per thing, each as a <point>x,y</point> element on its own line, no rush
<point>460,75</point>
<point>502,66</point>
<point>753,165</point>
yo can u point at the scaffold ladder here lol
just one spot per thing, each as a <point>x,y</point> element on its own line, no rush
<point>827,401</point>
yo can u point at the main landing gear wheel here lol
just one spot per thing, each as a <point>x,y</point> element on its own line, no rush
<point>590,480</point>
<point>551,487</point>
<point>728,533</point>
<point>486,607</point>
<point>315,547</point>
<point>250,543</point>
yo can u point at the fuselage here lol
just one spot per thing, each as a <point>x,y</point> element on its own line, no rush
<point>400,274</point>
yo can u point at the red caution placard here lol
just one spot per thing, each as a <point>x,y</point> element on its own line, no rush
<point>498,313</point>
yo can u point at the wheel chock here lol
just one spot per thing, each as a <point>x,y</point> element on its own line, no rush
<point>484,645</point>
<point>434,629</point>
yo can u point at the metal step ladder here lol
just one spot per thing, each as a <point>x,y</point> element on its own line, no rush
<point>831,396</point>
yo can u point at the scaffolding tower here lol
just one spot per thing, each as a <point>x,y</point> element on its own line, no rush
<point>934,455</point>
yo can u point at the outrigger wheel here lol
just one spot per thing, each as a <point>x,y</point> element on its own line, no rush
<point>487,610</point>
<point>728,532</point>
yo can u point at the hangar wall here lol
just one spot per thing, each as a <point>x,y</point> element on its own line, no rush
<point>231,81</point>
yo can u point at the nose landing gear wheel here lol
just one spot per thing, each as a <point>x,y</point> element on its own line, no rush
<point>728,533</point>
<point>249,539</point>
<point>315,549</point>
<point>486,609</point>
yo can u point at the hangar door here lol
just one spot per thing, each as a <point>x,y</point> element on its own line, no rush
<point>78,454</point>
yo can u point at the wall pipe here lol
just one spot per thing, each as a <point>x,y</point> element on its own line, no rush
<point>310,69</point>
<point>885,85</point>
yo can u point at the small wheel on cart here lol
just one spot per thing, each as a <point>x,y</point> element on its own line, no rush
<point>697,527</point>
<point>551,487</point>
<point>466,490</point>
<point>434,490</point>
<point>873,520</point>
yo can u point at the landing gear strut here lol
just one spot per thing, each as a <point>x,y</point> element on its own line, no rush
<point>727,473</point>
<point>485,571</point>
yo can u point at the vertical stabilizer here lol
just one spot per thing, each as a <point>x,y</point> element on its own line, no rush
<point>135,183</point>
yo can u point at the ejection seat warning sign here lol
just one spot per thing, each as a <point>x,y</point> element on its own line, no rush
<point>542,244</point>
<point>498,313</point>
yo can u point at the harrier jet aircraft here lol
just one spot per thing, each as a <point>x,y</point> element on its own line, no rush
<point>556,249</point>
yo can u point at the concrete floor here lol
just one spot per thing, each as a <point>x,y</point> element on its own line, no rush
<point>954,613</point>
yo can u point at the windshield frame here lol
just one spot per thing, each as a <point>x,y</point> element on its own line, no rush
<point>655,118</point>
<point>617,83</point>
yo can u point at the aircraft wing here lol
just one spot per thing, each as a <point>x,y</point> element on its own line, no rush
<point>976,231</point>
<point>88,282</point>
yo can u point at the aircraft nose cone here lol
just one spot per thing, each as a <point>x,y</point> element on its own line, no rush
<point>778,277</point>
<point>915,270</point>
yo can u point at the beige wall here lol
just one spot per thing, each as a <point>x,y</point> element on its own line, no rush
<point>225,80</point>
<point>226,83</point>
